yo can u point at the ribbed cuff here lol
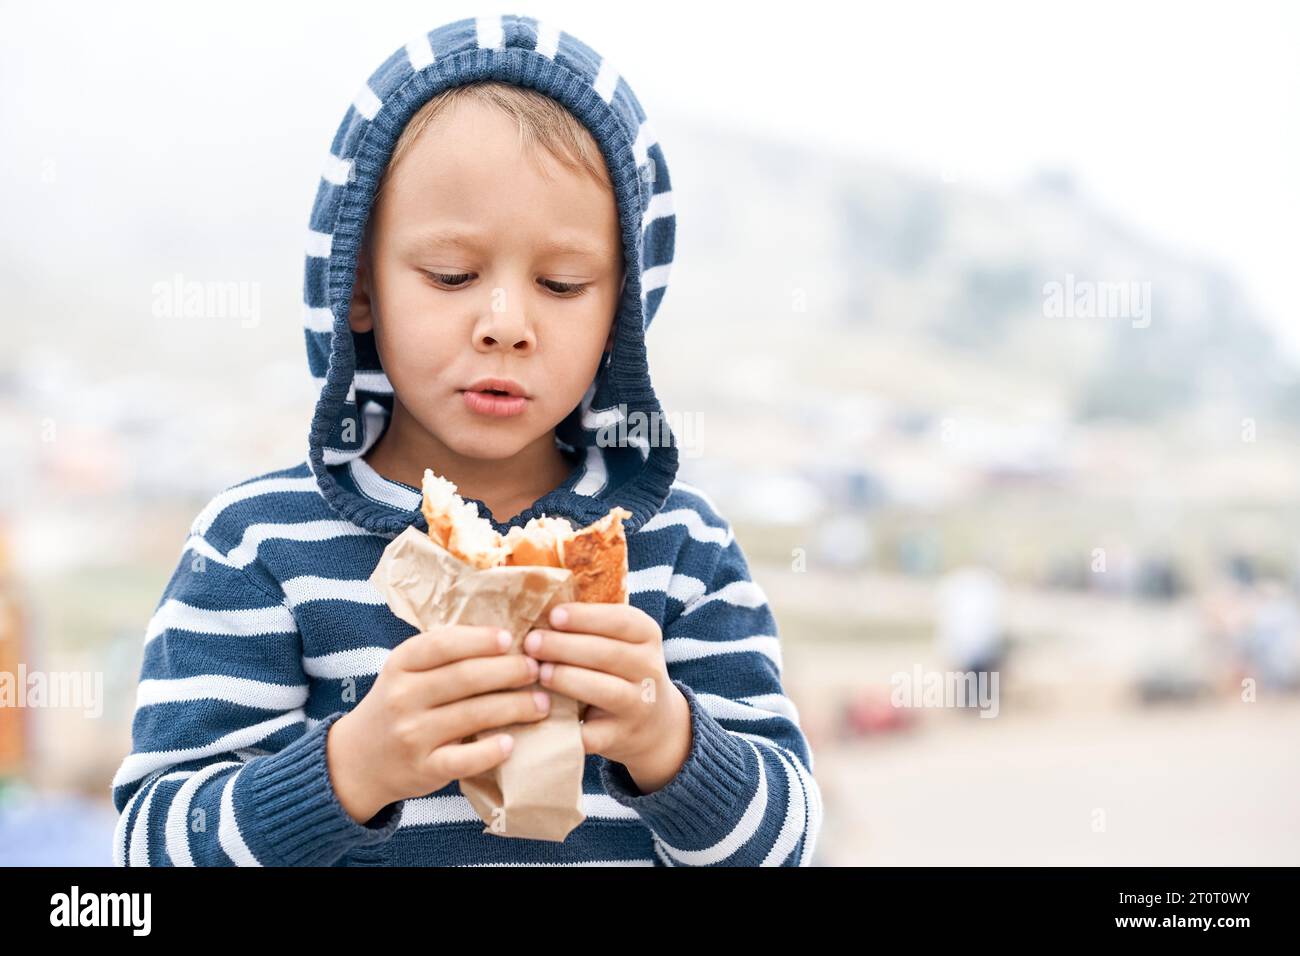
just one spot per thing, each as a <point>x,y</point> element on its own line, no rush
<point>293,814</point>
<point>700,805</point>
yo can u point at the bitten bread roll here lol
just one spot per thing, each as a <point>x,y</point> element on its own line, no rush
<point>540,541</point>
<point>455,524</point>
<point>596,554</point>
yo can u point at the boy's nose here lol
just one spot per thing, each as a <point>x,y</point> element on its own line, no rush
<point>521,344</point>
<point>504,328</point>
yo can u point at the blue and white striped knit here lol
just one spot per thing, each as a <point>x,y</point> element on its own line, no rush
<point>269,616</point>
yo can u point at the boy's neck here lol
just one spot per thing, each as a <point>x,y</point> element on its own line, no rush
<point>506,486</point>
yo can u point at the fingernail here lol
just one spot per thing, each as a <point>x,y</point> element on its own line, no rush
<point>532,642</point>
<point>543,700</point>
<point>547,670</point>
<point>559,617</point>
<point>507,743</point>
<point>503,639</point>
<point>532,667</point>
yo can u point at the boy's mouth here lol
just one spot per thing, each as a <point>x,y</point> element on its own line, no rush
<point>498,386</point>
<point>495,397</point>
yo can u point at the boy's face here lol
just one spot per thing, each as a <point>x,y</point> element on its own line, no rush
<point>498,299</point>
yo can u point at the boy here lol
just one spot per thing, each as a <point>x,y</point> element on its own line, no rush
<point>490,239</point>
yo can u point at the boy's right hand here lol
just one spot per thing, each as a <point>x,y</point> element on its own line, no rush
<point>437,687</point>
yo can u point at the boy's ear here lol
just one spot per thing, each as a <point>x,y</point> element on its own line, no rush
<point>360,315</point>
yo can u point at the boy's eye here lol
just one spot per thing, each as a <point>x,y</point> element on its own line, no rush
<point>564,288</point>
<point>567,289</point>
<point>453,280</point>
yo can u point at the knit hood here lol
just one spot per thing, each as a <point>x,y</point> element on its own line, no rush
<point>618,438</point>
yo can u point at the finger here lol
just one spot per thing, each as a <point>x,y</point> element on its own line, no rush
<point>440,646</point>
<point>594,651</point>
<point>476,675</point>
<point>599,736</point>
<point>622,621</point>
<point>454,761</point>
<point>605,691</point>
<point>489,711</point>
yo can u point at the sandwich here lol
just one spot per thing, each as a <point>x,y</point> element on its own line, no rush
<point>596,554</point>
<point>455,524</point>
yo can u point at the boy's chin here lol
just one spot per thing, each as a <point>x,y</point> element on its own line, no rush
<point>503,444</point>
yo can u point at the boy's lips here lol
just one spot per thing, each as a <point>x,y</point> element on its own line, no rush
<point>497,406</point>
<point>505,386</point>
<point>497,397</point>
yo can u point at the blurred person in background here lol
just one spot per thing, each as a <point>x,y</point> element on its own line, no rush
<point>1269,646</point>
<point>971,636</point>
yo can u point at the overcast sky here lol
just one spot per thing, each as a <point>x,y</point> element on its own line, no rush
<point>1179,119</point>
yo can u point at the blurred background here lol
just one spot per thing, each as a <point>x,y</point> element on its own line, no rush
<point>981,331</point>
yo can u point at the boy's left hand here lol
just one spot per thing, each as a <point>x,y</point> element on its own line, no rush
<point>611,657</point>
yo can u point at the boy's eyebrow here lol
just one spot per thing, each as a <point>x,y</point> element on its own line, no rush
<point>473,239</point>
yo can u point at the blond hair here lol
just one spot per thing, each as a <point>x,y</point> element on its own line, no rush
<point>543,124</point>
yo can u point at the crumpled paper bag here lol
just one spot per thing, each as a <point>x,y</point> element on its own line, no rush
<point>536,792</point>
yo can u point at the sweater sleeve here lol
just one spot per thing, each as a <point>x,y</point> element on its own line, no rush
<point>745,795</point>
<point>225,769</point>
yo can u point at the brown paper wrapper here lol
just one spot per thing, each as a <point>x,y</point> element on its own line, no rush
<point>536,792</point>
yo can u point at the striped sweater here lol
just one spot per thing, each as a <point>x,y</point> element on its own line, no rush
<point>269,630</point>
